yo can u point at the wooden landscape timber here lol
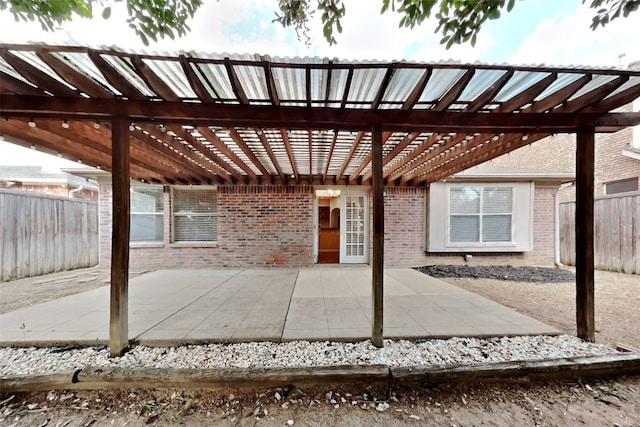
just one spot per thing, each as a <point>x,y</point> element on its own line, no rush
<point>102,378</point>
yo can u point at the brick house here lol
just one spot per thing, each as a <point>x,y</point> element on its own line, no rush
<point>617,157</point>
<point>298,226</point>
<point>51,181</point>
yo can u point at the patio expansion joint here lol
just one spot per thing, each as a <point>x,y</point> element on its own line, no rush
<point>289,306</point>
<point>137,337</point>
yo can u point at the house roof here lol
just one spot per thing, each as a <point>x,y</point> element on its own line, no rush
<point>220,118</point>
<point>42,175</point>
<point>497,173</point>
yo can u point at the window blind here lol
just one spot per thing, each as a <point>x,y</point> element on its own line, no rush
<point>194,215</point>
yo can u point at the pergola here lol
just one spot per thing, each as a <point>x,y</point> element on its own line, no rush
<point>194,118</point>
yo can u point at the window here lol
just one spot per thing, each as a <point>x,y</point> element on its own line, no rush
<point>147,221</point>
<point>194,214</point>
<point>480,217</point>
<point>480,214</point>
<point>621,186</point>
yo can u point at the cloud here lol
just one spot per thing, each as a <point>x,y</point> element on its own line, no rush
<point>570,41</point>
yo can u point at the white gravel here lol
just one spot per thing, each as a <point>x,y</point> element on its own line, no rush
<point>21,361</point>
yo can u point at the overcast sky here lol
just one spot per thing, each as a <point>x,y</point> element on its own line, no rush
<point>550,32</point>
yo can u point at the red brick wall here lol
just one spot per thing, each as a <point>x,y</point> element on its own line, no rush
<point>544,220</point>
<point>404,225</point>
<point>258,226</point>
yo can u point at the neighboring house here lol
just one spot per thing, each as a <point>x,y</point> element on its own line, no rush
<point>497,215</point>
<point>617,157</point>
<point>45,180</point>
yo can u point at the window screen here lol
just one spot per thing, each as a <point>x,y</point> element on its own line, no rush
<point>147,224</point>
<point>194,212</point>
<point>480,214</point>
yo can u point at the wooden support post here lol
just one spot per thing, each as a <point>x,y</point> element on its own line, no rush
<point>378,236</point>
<point>585,313</point>
<point>118,325</point>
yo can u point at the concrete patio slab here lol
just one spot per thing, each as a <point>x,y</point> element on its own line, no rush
<point>174,307</point>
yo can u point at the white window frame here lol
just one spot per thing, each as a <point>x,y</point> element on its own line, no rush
<point>195,214</point>
<point>437,220</point>
<point>159,213</point>
<point>481,215</point>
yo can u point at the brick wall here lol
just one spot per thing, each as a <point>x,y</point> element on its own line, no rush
<point>404,225</point>
<point>558,153</point>
<point>260,226</point>
<point>257,227</point>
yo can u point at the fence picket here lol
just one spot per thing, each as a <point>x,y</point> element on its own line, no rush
<point>617,232</point>
<point>44,234</point>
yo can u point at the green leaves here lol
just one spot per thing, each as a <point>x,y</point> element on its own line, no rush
<point>611,11</point>
<point>150,19</point>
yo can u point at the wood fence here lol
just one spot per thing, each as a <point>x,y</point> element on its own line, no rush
<point>42,234</point>
<point>616,232</point>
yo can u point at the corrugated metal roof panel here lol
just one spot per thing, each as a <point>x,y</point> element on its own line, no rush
<point>440,82</point>
<point>171,73</point>
<point>521,81</point>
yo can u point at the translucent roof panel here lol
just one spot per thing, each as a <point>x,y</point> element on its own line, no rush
<point>366,84</point>
<point>219,85</point>
<point>402,83</point>
<point>172,74</point>
<point>291,84</point>
<point>253,82</point>
<point>481,81</point>
<point>125,67</point>
<point>521,81</point>
<point>439,83</point>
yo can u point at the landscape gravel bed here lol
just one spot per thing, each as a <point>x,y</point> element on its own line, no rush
<point>24,361</point>
<point>500,272</point>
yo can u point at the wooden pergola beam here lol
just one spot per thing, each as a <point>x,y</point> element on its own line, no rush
<point>36,76</point>
<point>11,85</point>
<point>222,168</point>
<point>169,154</point>
<point>114,78</point>
<point>329,157</point>
<point>355,175</point>
<point>481,155</point>
<point>233,133</point>
<point>292,159</point>
<point>119,303</point>
<point>236,85</point>
<point>272,157</point>
<point>257,116</point>
<point>377,263</point>
<point>213,139</point>
<point>352,151</point>
<point>397,170</point>
<point>153,81</point>
<point>194,81</point>
<point>408,139</point>
<point>452,94</point>
<point>585,163</point>
<point>70,75</point>
<point>310,145</point>
<point>414,96</point>
<point>489,93</point>
<point>90,151</point>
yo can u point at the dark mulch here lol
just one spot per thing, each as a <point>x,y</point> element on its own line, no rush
<point>500,272</point>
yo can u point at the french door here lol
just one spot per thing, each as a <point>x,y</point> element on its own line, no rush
<point>354,245</point>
